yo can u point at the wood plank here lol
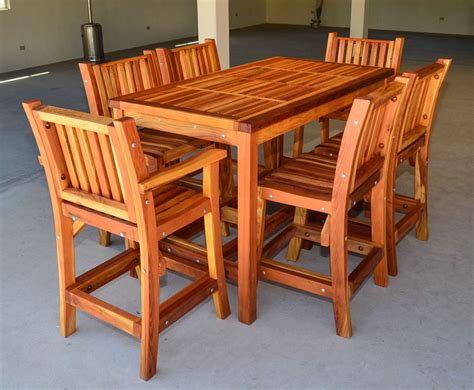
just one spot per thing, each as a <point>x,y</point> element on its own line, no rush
<point>105,311</point>
<point>185,300</point>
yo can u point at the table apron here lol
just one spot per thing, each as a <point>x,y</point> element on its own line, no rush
<point>213,134</point>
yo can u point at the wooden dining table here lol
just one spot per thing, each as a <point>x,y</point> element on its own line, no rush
<point>246,106</point>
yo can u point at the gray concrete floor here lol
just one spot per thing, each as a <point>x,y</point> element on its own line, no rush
<point>417,333</point>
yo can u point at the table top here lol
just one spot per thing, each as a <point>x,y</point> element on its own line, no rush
<point>254,95</point>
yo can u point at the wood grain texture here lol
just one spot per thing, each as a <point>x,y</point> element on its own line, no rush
<point>252,96</point>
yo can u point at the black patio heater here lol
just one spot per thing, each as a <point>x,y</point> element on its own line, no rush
<point>92,39</point>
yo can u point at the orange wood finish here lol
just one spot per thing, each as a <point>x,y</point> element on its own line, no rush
<point>246,106</point>
<point>332,185</point>
<point>96,173</point>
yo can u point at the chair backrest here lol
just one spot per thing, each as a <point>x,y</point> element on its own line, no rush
<point>371,133</point>
<point>117,78</point>
<point>188,61</point>
<point>90,160</point>
<point>421,107</point>
<point>381,53</point>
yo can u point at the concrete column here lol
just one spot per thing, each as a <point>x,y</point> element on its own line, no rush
<point>359,17</point>
<point>213,22</point>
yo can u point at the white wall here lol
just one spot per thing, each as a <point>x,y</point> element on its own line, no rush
<point>244,13</point>
<point>336,13</point>
<point>50,29</point>
<point>399,15</point>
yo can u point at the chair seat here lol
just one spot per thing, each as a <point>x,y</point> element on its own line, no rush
<point>167,147</point>
<point>312,174</point>
<point>309,173</point>
<point>177,206</point>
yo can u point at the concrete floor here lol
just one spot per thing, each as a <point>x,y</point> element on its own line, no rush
<point>417,333</point>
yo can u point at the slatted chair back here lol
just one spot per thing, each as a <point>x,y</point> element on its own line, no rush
<point>187,62</point>
<point>381,53</point>
<point>117,78</point>
<point>87,159</point>
<point>422,101</point>
<point>371,131</point>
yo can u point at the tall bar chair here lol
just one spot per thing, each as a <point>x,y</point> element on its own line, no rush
<point>358,51</point>
<point>190,61</point>
<point>96,172</point>
<point>332,185</point>
<point>117,78</point>
<point>413,146</point>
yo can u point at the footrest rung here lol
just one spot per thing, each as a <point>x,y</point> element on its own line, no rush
<point>107,271</point>
<point>185,300</point>
<point>365,268</point>
<point>105,311</point>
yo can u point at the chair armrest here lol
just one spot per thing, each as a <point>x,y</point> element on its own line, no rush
<point>177,171</point>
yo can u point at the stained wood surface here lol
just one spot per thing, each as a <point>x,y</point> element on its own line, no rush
<point>255,95</point>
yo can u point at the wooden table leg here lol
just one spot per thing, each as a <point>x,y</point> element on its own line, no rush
<point>247,171</point>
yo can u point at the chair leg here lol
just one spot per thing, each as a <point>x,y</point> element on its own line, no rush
<point>339,276</point>
<point>261,214</point>
<point>378,224</point>
<point>392,262</point>
<point>298,141</point>
<point>270,154</point>
<point>294,247</point>
<point>66,271</point>
<point>150,308</point>
<point>324,123</point>
<point>213,240</point>
<point>226,183</point>
<point>421,192</point>
<point>104,238</point>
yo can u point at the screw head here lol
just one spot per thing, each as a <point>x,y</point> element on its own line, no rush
<point>425,116</point>
<point>167,322</point>
<point>212,290</point>
<point>394,99</point>
<point>122,234</point>
<point>63,176</point>
<point>323,290</point>
<point>204,211</point>
<point>74,218</point>
<point>197,261</point>
<point>163,234</point>
<point>330,154</point>
<point>381,146</point>
<point>322,208</point>
<point>147,202</point>
<point>47,125</point>
<point>86,81</point>
<point>222,135</point>
<point>169,249</point>
<point>356,123</point>
<point>343,175</point>
<point>436,76</point>
<point>307,234</point>
<point>143,271</point>
<point>133,145</point>
<point>360,248</point>
<point>405,206</point>
<point>194,126</point>
<point>345,238</point>
<point>270,196</point>
<point>264,272</point>
<point>375,182</point>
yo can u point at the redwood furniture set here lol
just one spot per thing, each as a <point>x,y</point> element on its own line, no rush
<point>151,163</point>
